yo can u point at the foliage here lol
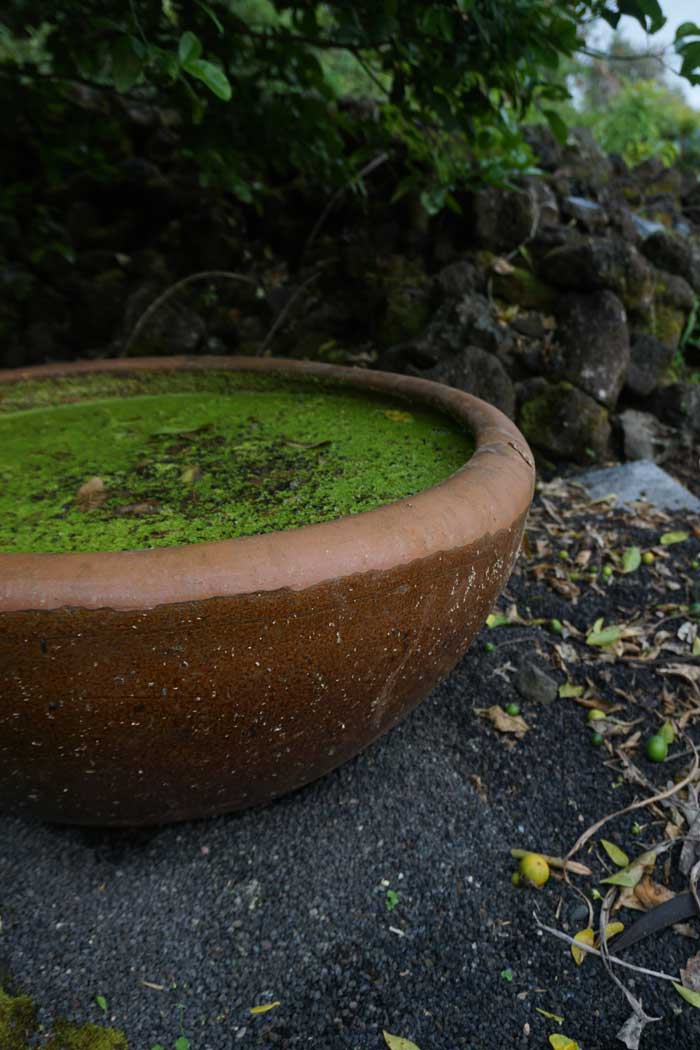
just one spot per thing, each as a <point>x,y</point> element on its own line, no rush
<point>258,88</point>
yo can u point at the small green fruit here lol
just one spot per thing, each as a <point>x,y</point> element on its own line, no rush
<point>489,647</point>
<point>563,556</point>
<point>513,709</point>
<point>648,558</point>
<point>695,564</point>
<point>656,748</point>
<point>534,869</point>
<point>608,571</point>
<point>557,626</point>
<point>595,714</point>
<point>596,739</point>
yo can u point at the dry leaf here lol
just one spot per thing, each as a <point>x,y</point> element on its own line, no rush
<point>650,893</point>
<point>139,510</point>
<point>504,722</point>
<point>91,494</point>
<point>690,976</point>
<point>611,930</point>
<point>263,1008</point>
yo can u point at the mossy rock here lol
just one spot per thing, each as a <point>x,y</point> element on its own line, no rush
<point>566,423</point>
<point>67,1036</point>
<point>408,310</point>
<point>524,289</point>
<point>17,1021</point>
<point>665,323</point>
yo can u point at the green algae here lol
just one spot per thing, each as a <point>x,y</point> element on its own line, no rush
<point>195,456</point>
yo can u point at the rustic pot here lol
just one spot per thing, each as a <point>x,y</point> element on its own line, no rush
<point>140,687</point>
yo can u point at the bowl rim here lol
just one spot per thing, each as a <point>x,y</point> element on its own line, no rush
<point>489,493</point>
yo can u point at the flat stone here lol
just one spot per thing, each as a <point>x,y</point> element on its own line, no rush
<point>640,480</point>
<point>534,684</point>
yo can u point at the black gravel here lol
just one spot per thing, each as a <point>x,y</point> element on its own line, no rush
<point>289,903</point>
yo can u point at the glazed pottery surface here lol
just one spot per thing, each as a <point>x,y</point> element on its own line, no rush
<point>139,687</point>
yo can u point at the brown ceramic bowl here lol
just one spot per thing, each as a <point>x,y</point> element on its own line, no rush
<point>147,686</point>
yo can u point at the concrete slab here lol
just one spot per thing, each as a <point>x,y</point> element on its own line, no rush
<point>639,480</point>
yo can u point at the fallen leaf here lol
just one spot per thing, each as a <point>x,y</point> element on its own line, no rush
<point>651,893</point>
<point>552,1017</point>
<point>631,559</point>
<point>611,930</point>
<point>503,722</point>
<point>397,1042</point>
<point>582,937</point>
<point>502,267</point>
<point>139,510</point>
<point>562,1042</point>
<point>617,856</point>
<point>690,996</point>
<point>690,976</point>
<point>673,537</point>
<point>190,474</point>
<point>569,689</point>
<point>264,1008</point>
<point>603,636</point>
<point>91,494</point>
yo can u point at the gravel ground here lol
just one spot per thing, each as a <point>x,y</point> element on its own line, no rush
<point>290,903</point>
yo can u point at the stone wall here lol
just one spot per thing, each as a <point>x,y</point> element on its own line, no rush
<point>563,300</point>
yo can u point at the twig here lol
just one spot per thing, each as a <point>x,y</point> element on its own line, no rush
<point>641,804</point>
<point>631,1031</point>
<point>281,317</point>
<point>367,170</point>
<point>209,275</point>
<point>594,951</point>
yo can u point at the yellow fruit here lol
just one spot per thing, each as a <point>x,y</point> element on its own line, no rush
<point>534,869</point>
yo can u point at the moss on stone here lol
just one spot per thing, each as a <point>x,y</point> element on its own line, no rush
<point>191,457</point>
<point>67,1036</point>
<point>17,1021</point>
<point>666,324</point>
<point>524,289</point>
<point>566,422</point>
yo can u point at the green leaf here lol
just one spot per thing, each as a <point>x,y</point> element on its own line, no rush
<point>558,126</point>
<point>397,1042</point>
<point>569,689</point>
<point>673,537</point>
<point>127,63</point>
<point>189,49</point>
<point>157,1046</point>
<point>687,29</point>
<point>688,994</point>
<point>627,877</point>
<point>617,856</point>
<point>691,56</point>
<point>212,76</point>
<point>606,636</point>
<point>212,15</point>
<point>392,899</point>
<point>631,559</point>
<point>562,1042</point>
<point>507,975</point>
<point>182,1043</point>
<point>101,1002</point>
